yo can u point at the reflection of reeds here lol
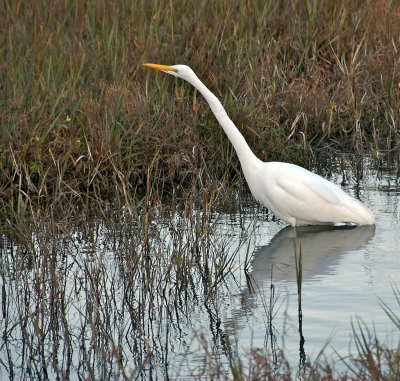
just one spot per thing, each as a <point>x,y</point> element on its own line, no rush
<point>94,290</point>
<point>88,296</point>
<point>298,254</point>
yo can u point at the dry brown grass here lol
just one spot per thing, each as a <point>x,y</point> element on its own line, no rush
<point>79,117</point>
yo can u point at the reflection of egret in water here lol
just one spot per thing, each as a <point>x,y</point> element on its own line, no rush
<point>321,247</point>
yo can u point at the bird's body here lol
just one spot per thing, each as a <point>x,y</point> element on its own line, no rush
<point>291,193</point>
<point>300,197</point>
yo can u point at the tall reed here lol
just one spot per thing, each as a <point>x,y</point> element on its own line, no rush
<point>80,120</point>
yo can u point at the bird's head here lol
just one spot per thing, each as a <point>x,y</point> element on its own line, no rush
<point>180,71</point>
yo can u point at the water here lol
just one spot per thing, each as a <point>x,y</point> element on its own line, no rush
<point>195,292</point>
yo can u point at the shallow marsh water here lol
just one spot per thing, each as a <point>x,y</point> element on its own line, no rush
<point>193,292</point>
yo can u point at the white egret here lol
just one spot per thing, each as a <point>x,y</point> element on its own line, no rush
<point>292,193</point>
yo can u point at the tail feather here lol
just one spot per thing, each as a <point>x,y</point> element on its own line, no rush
<point>360,214</point>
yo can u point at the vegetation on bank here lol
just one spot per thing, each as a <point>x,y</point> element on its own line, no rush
<point>80,117</point>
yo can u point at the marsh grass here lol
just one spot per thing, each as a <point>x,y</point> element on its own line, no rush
<point>101,160</point>
<point>371,359</point>
<point>81,120</point>
<point>91,297</point>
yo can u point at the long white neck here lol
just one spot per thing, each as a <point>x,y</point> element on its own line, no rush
<point>245,154</point>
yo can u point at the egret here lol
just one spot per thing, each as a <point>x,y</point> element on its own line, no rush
<point>292,193</point>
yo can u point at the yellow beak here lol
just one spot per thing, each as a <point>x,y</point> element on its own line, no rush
<point>159,67</point>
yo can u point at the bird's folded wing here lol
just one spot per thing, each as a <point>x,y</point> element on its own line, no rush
<point>323,189</point>
<point>305,189</point>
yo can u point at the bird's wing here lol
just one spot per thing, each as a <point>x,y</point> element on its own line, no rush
<point>303,187</point>
<point>324,189</point>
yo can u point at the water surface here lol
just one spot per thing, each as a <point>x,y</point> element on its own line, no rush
<point>193,290</point>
